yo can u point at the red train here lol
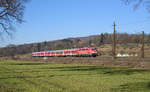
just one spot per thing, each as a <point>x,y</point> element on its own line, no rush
<point>86,51</point>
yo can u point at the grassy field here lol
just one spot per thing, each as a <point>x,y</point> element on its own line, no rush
<point>22,76</point>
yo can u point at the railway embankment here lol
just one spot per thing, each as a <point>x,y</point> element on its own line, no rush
<point>102,61</point>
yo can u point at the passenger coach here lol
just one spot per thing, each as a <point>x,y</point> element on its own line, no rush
<point>87,51</point>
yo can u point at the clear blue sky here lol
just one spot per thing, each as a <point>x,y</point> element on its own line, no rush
<point>57,19</point>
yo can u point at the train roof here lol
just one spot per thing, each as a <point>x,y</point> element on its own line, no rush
<point>63,49</point>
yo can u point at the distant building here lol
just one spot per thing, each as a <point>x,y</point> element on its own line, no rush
<point>122,55</point>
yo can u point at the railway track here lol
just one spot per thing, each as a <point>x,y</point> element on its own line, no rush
<point>134,62</point>
<point>97,59</point>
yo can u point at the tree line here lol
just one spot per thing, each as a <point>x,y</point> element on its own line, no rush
<point>96,40</point>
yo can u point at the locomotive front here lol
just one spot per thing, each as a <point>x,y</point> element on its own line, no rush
<point>94,51</point>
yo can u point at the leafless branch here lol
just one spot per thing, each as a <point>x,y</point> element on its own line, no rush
<point>137,3</point>
<point>11,11</point>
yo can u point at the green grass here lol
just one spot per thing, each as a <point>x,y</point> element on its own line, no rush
<point>21,76</point>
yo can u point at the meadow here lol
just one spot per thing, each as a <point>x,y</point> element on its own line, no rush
<point>25,76</point>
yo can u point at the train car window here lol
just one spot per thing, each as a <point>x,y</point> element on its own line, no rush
<point>74,51</point>
<point>57,52</point>
<point>94,49</point>
<point>67,51</point>
<point>83,49</point>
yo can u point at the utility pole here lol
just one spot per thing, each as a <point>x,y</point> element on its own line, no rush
<point>142,48</point>
<point>114,42</point>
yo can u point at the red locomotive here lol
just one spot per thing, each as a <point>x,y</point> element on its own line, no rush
<point>86,51</point>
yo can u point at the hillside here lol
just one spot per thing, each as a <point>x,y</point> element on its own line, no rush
<point>126,42</point>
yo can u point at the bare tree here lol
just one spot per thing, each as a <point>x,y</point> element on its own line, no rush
<point>11,12</point>
<point>137,3</point>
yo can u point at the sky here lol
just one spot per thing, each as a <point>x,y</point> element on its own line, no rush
<point>47,20</point>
